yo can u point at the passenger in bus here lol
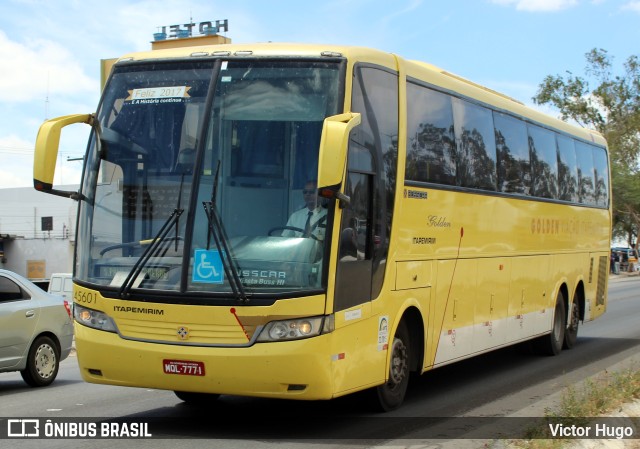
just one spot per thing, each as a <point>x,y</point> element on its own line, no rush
<point>311,220</point>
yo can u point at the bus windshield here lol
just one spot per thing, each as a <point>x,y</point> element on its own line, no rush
<point>194,174</point>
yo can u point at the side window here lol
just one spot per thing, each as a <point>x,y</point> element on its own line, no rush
<point>586,182</point>
<point>10,291</point>
<point>430,136</point>
<point>68,285</point>
<point>567,170</point>
<point>476,145</point>
<point>55,284</point>
<point>601,177</point>
<point>544,162</point>
<point>514,166</point>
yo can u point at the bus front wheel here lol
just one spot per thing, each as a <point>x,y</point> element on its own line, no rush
<point>390,395</point>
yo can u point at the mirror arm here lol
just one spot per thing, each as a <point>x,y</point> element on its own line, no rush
<point>344,200</point>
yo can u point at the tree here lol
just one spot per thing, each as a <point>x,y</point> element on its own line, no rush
<point>610,104</point>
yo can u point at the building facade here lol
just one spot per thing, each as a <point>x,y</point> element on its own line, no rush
<point>37,232</point>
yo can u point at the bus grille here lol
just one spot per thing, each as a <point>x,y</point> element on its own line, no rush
<point>185,333</point>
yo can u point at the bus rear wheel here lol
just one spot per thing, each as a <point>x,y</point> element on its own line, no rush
<point>390,395</point>
<point>571,333</point>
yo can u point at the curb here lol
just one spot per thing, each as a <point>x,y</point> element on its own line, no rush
<point>623,276</point>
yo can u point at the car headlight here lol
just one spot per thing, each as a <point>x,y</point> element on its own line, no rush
<point>296,329</point>
<point>93,318</point>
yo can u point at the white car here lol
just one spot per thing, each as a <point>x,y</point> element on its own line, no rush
<point>36,330</point>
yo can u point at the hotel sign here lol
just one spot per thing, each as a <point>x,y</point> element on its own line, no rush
<point>192,28</point>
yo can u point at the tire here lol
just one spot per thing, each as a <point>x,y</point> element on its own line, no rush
<point>196,398</point>
<point>43,363</point>
<point>390,395</point>
<point>571,332</point>
<point>551,344</point>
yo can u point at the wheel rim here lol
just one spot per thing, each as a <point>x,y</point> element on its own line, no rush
<point>573,325</point>
<point>45,361</point>
<point>398,367</point>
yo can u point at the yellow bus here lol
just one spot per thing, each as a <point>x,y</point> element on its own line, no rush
<point>446,221</point>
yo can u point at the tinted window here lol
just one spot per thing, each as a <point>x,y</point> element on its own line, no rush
<point>430,137</point>
<point>451,141</point>
<point>476,145</point>
<point>9,290</point>
<point>586,183</point>
<point>601,177</point>
<point>567,170</point>
<point>544,162</point>
<point>513,154</point>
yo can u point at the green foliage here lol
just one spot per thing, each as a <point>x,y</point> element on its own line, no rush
<point>597,397</point>
<point>609,103</point>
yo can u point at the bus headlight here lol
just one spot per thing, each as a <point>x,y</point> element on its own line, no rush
<point>93,318</point>
<point>296,329</point>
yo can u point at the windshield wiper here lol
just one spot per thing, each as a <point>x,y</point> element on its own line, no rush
<point>216,229</point>
<point>156,246</point>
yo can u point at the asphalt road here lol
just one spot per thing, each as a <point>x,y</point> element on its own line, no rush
<point>510,382</point>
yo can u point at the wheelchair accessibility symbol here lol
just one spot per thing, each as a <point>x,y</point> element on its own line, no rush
<point>207,267</point>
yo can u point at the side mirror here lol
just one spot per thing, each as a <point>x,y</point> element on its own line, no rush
<point>333,153</point>
<point>46,152</point>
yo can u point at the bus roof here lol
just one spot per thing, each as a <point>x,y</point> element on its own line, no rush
<point>265,49</point>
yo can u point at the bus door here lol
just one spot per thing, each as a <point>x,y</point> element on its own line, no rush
<point>361,320</point>
<point>353,281</point>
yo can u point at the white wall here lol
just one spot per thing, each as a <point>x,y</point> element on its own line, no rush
<point>21,212</point>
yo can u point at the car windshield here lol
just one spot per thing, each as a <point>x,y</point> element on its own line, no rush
<point>198,174</point>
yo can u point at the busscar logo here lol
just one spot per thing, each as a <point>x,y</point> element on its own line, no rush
<point>23,428</point>
<point>416,194</point>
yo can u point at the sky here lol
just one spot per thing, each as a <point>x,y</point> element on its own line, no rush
<point>50,51</point>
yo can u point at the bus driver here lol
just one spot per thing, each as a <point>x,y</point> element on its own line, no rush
<point>310,220</point>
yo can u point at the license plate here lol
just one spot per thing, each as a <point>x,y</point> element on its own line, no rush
<point>183,367</point>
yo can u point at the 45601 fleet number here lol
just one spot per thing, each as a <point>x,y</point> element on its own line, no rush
<point>85,297</point>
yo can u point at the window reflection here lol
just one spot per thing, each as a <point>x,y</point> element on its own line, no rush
<point>586,183</point>
<point>544,162</point>
<point>430,137</point>
<point>455,142</point>
<point>567,170</point>
<point>476,145</point>
<point>513,154</point>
